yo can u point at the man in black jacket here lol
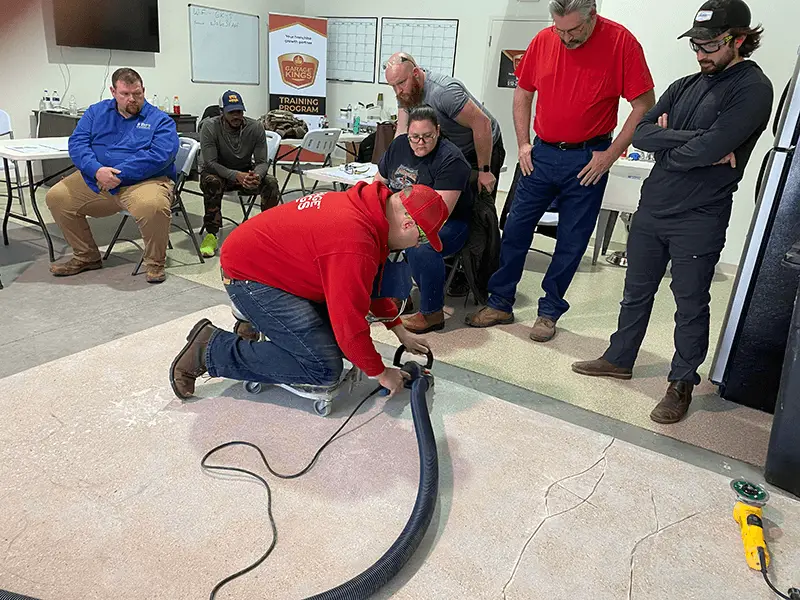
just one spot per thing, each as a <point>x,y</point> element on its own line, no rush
<point>703,131</point>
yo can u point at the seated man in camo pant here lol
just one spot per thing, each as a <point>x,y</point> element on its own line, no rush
<point>233,156</point>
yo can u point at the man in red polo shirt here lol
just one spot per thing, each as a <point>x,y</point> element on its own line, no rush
<point>303,275</point>
<point>579,69</point>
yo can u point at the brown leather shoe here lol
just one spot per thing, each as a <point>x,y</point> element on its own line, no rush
<point>601,368</point>
<point>543,330</point>
<point>191,360</point>
<point>675,403</point>
<point>156,274</point>
<point>419,323</point>
<point>246,331</point>
<point>489,317</point>
<point>74,266</point>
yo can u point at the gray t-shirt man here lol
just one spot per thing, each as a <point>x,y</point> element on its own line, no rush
<point>447,95</point>
<point>225,152</point>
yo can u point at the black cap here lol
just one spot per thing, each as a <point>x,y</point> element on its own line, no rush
<point>716,17</point>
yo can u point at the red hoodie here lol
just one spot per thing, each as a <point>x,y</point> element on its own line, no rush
<point>326,248</point>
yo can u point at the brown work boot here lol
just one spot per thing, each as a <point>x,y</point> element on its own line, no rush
<point>246,331</point>
<point>675,403</point>
<point>191,360</point>
<point>488,317</point>
<point>543,330</point>
<point>601,368</point>
<point>74,266</point>
<point>419,323</point>
<point>156,274</point>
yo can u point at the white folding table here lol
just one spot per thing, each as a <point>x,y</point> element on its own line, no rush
<point>28,150</point>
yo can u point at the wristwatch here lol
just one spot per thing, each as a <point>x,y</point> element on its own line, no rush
<point>486,169</point>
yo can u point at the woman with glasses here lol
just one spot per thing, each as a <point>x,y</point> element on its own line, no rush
<point>423,156</point>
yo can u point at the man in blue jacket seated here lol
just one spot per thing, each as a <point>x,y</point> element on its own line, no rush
<point>124,149</point>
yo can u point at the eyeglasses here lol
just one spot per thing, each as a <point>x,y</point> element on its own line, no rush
<point>423,237</point>
<point>398,60</point>
<point>352,169</point>
<point>710,47</point>
<point>416,138</point>
<point>570,32</point>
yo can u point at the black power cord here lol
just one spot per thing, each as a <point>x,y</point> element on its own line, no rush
<point>794,594</point>
<point>266,485</point>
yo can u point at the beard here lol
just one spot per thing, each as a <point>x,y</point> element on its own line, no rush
<point>412,100</point>
<point>710,67</point>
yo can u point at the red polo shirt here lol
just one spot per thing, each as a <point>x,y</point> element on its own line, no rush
<point>578,90</point>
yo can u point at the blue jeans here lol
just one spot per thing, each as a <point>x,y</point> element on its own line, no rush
<point>554,177</point>
<point>301,348</point>
<point>427,265</point>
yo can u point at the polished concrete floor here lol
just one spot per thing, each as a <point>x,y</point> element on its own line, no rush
<point>550,485</point>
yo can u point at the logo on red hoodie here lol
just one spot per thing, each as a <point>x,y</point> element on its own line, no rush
<point>310,201</point>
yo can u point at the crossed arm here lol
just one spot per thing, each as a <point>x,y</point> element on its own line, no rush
<point>683,150</point>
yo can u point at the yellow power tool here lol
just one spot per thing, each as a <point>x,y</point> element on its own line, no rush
<point>748,513</point>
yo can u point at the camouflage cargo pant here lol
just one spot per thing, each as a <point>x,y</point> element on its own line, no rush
<point>214,187</point>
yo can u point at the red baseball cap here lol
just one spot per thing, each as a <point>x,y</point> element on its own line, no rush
<point>427,208</point>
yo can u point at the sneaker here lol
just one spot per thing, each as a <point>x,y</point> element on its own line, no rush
<point>74,266</point>
<point>674,404</point>
<point>156,274</point>
<point>419,323</point>
<point>601,368</point>
<point>209,246</point>
<point>543,330</point>
<point>190,363</point>
<point>488,317</point>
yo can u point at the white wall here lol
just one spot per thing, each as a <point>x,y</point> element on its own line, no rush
<point>473,36</point>
<point>657,24</point>
<point>29,61</point>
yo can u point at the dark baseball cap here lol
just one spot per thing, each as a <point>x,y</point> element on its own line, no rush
<point>716,17</point>
<point>231,100</point>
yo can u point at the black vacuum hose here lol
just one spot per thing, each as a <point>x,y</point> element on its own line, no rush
<point>375,577</point>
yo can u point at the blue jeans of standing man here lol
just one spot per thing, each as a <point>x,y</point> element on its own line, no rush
<point>427,265</point>
<point>301,348</point>
<point>554,177</point>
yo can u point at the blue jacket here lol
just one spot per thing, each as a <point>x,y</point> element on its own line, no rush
<point>141,147</point>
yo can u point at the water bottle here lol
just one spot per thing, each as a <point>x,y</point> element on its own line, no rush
<point>56,100</point>
<point>47,103</point>
<point>42,105</point>
<point>154,101</point>
<point>356,120</point>
<point>73,106</point>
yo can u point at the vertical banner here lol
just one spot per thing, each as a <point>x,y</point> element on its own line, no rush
<point>509,61</point>
<point>298,51</point>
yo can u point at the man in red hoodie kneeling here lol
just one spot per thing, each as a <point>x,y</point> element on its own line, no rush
<point>302,274</point>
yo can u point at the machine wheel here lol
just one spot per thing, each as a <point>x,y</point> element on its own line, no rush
<point>322,407</point>
<point>252,387</point>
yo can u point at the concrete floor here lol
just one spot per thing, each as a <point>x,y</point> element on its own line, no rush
<point>544,490</point>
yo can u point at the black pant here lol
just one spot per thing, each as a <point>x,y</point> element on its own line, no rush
<point>693,241</point>
<point>498,159</point>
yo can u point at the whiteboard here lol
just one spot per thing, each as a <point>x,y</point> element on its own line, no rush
<point>352,47</point>
<point>432,42</point>
<point>224,46</point>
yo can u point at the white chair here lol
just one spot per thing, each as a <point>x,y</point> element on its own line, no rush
<point>18,182</point>
<point>319,141</point>
<point>184,159</point>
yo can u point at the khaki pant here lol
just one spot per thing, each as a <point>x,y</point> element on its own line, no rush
<point>71,201</point>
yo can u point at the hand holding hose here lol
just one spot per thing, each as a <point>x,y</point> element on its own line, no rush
<point>393,380</point>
